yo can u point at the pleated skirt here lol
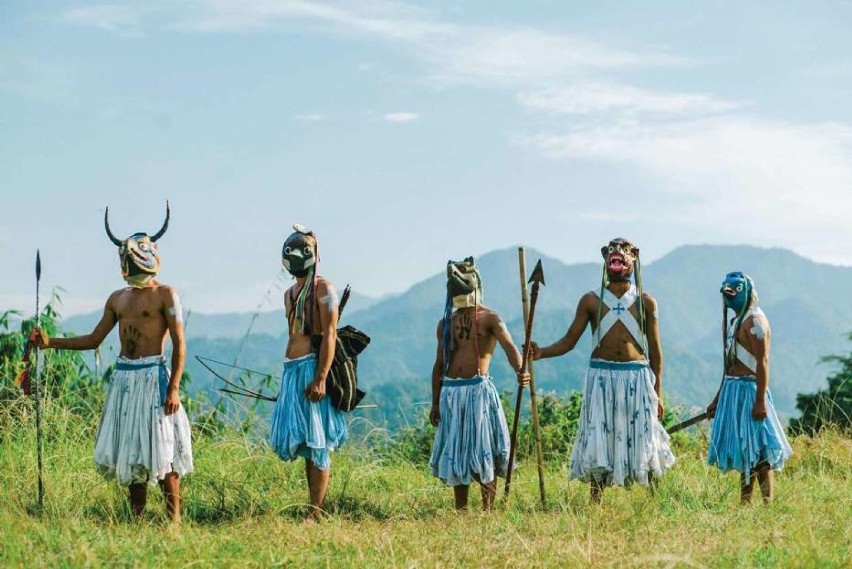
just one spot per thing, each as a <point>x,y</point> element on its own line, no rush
<point>136,441</point>
<point>739,442</point>
<point>303,428</point>
<point>620,440</point>
<point>472,437</point>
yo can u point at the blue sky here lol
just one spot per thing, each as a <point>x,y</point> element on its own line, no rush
<point>408,133</point>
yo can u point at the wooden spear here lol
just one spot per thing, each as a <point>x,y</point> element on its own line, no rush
<point>537,279</point>
<point>38,391</point>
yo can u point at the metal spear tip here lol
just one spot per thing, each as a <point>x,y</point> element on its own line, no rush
<point>38,264</point>
<point>537,274</point>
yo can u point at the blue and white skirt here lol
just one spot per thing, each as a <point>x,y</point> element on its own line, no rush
<point>739,442</point>
<point>310,429</point>
<point>619,437</point>
<point>137,442</point>
<point>472,437</point>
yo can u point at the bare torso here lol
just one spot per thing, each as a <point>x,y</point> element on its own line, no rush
<point>744,337</point>
<point>299,344</point>
<point>472,331</point>
<point>141,317</point>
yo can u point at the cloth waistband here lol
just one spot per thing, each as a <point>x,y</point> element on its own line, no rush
<point>126,364</point>
<point>300,358</point>
<point>452,382</point>
<point>741,378</point>
<point>619,366</point>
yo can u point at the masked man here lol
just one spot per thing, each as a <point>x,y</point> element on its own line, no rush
<point>304,422</point>
<point>144,437</point>
<point>747,435</point>
<point>619,438</point>
<point>471,436</point>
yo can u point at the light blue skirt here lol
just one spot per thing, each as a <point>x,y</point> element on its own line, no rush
<point>739,442</point>
<point>619,438</point>
<point>301,427</point>
<point>472,437</point>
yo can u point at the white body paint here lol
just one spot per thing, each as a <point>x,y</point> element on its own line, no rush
<point>331,299</point>
<point>176,309</point>
<point>757,329</point>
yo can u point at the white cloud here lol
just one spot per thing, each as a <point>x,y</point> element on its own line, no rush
<point>121,19</point>
<point>588,98</point>
<point>785,183</point>
<point>311,117</point>
<point>401,117</point>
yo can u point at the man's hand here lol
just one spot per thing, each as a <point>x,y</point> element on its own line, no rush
<point>38,339</point>
<point>711,409</point>
<point>315,390</point>
<point>535,350</point>
<point>172,401</point>
<point>434,415</point>
<point>660,410</point>
<point>758,411</point>
<point>523,378</point>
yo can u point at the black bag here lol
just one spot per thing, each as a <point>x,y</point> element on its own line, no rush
<point>341,384</point>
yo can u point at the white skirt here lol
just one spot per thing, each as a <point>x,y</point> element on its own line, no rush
<point>137,442</point>
<point>619,437</point>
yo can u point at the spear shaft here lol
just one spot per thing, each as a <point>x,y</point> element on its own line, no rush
<point>537,279</point>
<point>38,390</point>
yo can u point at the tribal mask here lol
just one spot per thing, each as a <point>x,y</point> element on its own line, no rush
<point>299,252</point>
<point>464,283</point>
<point>140,261</point>
<point>738,292</point>
<point>619,258</point>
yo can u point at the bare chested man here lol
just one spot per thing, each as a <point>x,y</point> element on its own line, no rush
<point>305,423</point>
<point>144,435</point>
<point>747,435</point>
<point>619,439</point>
<point>471,435</point>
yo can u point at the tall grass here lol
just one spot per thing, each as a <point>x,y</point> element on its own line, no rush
<point>242,507</point>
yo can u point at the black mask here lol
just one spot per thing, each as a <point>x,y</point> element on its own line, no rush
<point>299,252</point>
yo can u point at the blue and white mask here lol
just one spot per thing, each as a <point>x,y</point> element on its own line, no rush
<point>738,291</point>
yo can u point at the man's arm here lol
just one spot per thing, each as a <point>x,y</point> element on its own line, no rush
<point>571,337</point>
<point>173,312</point>
<point>328,311</point>
<point>437,375</point>
<point>504,338</point>
<point>758,339</point>
<point>655,347</point>
<point>87,342</point>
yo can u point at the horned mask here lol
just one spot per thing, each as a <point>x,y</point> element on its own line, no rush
<point>140,261</point>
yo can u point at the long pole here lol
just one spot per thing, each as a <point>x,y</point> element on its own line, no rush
<point>537,279</point>
<point>38,391</point>
<point>525,301</point>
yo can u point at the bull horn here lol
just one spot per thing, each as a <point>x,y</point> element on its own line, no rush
<point>112,237</point>
<point>165,226</point>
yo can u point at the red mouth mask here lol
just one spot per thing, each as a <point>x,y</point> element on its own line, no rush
<point>619,256</point>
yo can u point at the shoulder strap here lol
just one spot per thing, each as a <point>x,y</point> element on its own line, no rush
<point>619,312</point>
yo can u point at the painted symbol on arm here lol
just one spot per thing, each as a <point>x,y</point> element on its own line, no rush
<point>176,309</point>
<point>758,329</point>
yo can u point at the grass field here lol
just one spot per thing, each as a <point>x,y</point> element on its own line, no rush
<point>243,506</point>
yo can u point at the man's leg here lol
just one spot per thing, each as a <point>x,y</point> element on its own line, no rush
<point>460,493</point>
<point>489,491</point>
<point>317,487</point>
<point>170,486</point>
<point>746,488</point>
<point>138,497</point>
<point>596,488</point>
<point>766,479</point>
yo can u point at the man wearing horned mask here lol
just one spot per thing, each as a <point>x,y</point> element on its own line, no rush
<point>305,423</point>
<point>619,437</point>
<point>144,437</point>
<point>471,436</point>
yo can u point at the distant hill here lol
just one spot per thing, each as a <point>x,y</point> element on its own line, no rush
<point>798,295</point>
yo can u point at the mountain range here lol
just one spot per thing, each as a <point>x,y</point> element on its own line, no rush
<point>802,299</point>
